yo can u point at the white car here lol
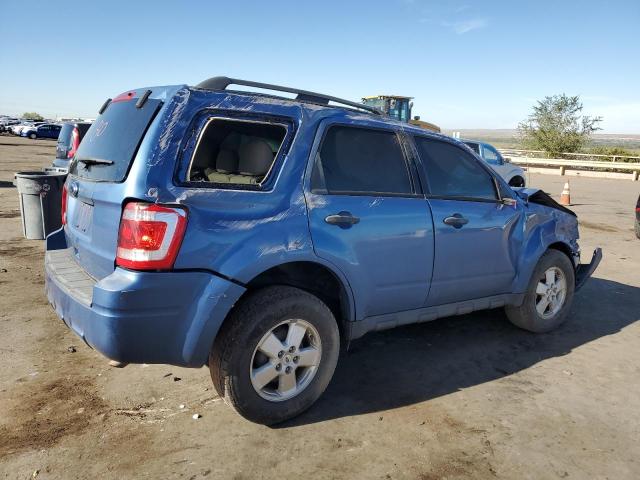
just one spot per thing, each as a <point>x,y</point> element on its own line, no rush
<point>17,129</point>
<point>513,174</point>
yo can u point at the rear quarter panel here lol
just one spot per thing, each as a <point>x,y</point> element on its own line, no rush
<point>233,232</point>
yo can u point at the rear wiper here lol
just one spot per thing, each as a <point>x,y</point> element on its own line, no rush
<point>95,161</point>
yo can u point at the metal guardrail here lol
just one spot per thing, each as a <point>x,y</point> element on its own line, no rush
<point>564,164</point>
<point>524,153</point>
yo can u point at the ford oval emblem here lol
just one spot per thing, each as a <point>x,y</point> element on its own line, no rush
<point>74,189</point>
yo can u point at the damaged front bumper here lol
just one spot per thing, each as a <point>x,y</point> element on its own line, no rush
<point>584,270</point>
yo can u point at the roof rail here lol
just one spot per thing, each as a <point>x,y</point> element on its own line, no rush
<point>221,83</point>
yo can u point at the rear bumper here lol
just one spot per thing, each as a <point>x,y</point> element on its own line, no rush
<point>584,270</point>
<point>140,317</point>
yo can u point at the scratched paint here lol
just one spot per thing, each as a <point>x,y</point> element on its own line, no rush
<point>169,126</point>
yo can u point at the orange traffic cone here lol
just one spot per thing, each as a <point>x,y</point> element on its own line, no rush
<point>565,196</point>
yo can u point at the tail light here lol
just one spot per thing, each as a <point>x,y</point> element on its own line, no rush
<point>63,208</point>
<point>75,142</point>
<point>150,236</point>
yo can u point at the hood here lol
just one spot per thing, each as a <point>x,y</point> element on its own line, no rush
<point>537,196</point>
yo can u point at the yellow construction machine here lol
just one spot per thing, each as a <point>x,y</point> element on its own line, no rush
<point>398,107</point>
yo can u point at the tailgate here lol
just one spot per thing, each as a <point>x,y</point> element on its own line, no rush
<point>96,185</point>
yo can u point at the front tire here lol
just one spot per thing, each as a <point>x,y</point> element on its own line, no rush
<point>275,355</point>
<point>33,136</point>
<point>549,295</point>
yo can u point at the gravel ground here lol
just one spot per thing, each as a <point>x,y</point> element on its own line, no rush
<point>462,397</point>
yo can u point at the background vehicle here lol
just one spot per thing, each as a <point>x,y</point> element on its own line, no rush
<point>260,236</point>
<point>46,130</point>
<point>399,108</point>
<point>7,123</point>
<point>513,174</point>
<point>17,129</point>
<point>71,134</point>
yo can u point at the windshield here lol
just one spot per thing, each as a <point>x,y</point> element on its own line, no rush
<point>112,141</point>
<point>65,135</point>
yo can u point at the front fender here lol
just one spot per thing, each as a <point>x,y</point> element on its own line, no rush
<point>514,171</point>
<point>543,227</point>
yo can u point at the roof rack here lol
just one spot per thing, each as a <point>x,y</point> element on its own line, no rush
<point>221,83</point>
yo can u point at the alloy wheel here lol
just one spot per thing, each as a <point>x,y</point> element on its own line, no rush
<point>286,360</point>
<point>551,292</point>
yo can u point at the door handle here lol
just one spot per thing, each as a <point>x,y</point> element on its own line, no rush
<point>456,220</point>
<point>342,219</point>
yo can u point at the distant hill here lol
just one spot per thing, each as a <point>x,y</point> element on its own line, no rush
<point>508,138</point>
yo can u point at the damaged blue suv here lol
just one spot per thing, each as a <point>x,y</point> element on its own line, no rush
<point>257,234</point>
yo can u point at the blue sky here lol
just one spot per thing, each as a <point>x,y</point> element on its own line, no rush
<point>469,64</point>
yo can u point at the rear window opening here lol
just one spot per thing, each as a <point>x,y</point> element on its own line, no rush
<point>236,152</point>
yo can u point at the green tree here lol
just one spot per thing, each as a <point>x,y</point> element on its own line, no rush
<point>33,116</point>
<point>557,125</point>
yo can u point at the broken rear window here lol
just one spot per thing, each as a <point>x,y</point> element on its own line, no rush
<point>236,152</point>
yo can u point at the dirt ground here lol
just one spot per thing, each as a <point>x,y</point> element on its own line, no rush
<point>463,397</point>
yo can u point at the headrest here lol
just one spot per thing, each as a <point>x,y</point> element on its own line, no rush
<point>227,161</point>
<point>255,158</point>
<point>231,141</point>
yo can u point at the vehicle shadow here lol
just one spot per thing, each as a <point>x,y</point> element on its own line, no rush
<point>412,364</point>
<point>6,184</point>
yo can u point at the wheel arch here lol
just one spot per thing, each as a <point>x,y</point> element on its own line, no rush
<point>514,177</point>
<point>564,248</point>
<point>538,243</point>
<point>315,277</point>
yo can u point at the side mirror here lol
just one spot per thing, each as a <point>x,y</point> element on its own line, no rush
<point>506,159</point>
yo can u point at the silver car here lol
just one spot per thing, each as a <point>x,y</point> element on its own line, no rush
<point>513,174</point>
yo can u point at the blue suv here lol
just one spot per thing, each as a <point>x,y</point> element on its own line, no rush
<point>257,235</point>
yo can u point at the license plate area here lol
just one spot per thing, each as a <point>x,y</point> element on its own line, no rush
<point>84,214</point>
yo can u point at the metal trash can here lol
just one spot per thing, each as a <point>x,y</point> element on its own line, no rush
<point>40,202</point>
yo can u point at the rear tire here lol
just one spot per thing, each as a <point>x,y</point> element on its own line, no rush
<point>547,302</point>
<point>246,354</point>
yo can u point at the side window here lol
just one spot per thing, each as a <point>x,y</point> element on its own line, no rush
<point>490,155</point>
<point>452,172</point>
<point>236,152</point>
<point>359,160</point>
